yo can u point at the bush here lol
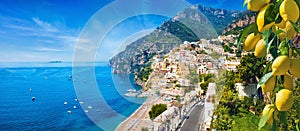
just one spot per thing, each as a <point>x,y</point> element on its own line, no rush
<point>156,110</point>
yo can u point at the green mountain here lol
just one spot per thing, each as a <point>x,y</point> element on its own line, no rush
<point>191,24</point>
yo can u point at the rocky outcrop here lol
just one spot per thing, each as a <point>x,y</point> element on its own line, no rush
<point>237,25</point>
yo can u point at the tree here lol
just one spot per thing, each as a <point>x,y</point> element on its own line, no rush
<point>156,110</point>
<point>250,68</point>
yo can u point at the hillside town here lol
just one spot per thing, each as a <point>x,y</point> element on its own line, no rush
<point>174,81</point>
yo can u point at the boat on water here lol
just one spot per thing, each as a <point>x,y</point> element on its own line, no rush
<point>65,103</point>
<point>32,98</point>
<point>131,93</point>
<point>70,77</point>
<point>69,112</point>
<point>132,90</point>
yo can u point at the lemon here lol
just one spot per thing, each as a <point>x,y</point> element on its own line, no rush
<point>260,49</point>
<point>281,24</point>
<point>261,20</point>
<point>289,10</point>
<point>269,108</point>
<point>295,68</point>
<point>280,65</point>
<point>251,41</point>
<point>288,82</point>
<point>269,84</point>
<point>256,5</point>
<point>289,32</point>
<point>284,100</point>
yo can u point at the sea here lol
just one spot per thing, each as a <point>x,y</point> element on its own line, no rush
<point>68,96</point>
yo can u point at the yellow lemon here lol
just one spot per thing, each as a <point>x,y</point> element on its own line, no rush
<point>256,5</point>
<point>269,84</point>
<point>251,41</point>
<point>289,32</point>
<point>295,68</point>
<point>284,100</point>
<point>280,65</point>
<point>288,82</point>
<point>269,108</point>
<point>289,10</point>
<point>261,20</point>
<point>260,49</point>
<point>281,24</point>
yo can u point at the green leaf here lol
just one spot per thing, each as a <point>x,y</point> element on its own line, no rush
<point>297,106</point>
<point>244,33</point>
<point>269,45</point>
<point>245,2</point>
<point>270,14</point>
<point>277,88</point>
<point>283,117</point>
<point>264,79</point>
<point>255,28</point>
<point>263,120</point>
<point>297,50</point>
<point>297,83</point>
<point>273,51</point>
<point>296,27</point>
<point>279,31</point>
<point>266,35</point>
<point>283,48</point>
<point>278,19</point>
<point>297,127</point>
<point>267,67</point>
<point>274,126</point>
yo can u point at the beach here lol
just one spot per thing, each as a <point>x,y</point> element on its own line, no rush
<point>140,117</point>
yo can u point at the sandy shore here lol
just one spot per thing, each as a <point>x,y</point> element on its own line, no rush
<point>140,117</point>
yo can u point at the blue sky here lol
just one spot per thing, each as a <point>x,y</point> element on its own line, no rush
<point>46,30</point>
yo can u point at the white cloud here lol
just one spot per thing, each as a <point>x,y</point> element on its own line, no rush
<point>46,49</point>
<point>45,25</point>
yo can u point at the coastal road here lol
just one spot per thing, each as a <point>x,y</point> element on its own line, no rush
<point>195,118</point>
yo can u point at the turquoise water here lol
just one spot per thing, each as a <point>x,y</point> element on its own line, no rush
<point>52,87</point>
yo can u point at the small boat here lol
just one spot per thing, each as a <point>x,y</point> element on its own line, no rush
<point>33,98</point>
<point>90,107</point>
<point>74,107</point>
<point>70,77</point>
<point>76,100</point>
<point>30,90</point>
<point>65,103</point>
<point>81,102</point>
<point>86,111</point>
<point>132,90</point>
<point>69,112</point>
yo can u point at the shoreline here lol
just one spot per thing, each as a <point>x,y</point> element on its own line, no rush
<point>131,116</point>
<point>140,118</point>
